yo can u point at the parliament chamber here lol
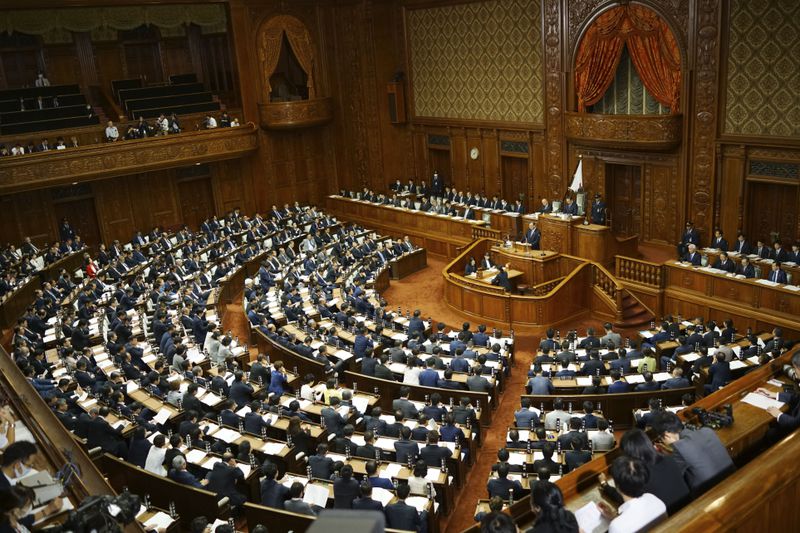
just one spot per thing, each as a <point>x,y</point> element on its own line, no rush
<point>405,265</point>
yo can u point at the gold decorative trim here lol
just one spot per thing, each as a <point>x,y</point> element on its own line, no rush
<point>298,114</point>
<point>638,132</point>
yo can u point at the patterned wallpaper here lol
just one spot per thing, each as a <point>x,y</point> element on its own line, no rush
<point>764,68</point>
<point>480,60</point>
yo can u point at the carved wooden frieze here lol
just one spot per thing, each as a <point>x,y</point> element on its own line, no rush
<point>295,115</point>
<point>125,157</point>
<point>640,132</point>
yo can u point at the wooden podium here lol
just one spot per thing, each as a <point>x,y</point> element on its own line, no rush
<point>589,241</point>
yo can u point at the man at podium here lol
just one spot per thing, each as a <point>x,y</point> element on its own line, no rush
<point>533,236</point>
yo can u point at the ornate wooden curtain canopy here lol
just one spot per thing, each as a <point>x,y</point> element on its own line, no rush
<point>270,40</point>
<point>652,47</point>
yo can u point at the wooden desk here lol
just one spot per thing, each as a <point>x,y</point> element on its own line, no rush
<point>537,266</point>
<point>70,262</point>
<point>408,263</point>
<point>765,266</point>
<point>439,234</point>
<point>692,291</point>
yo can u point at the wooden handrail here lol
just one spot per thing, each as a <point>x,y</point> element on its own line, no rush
<point>639,271</point>
<point>480,232</point>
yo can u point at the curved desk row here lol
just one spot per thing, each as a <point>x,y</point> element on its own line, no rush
<point>561,287</point>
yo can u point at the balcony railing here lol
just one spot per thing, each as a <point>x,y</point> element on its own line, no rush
<point>637,132</point>
<point>297,114</point>
<point>101,161</point>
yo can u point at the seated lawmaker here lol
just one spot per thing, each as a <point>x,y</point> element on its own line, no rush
<point>692,256</point>
<point>724,263</point>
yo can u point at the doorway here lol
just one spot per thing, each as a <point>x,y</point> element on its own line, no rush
<point>197,201</point>
<point>624,186</point>
<point>440,162</point>
<point>772,211</point>
<point>515,179</point>
<point>82,217</point>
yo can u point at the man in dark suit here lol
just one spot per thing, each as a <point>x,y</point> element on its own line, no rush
<point>260,371</point>
<point>546,207</point>
<point>502,486</point>
<point>223,478</point>
<point>570,207</point>
<point>416,325</point>
<point>690,236</point>
<point>723,263</point>
<point>400,515</point>
<point>778,253</point>
<point>699,451</point>
<point>648,385</point>
<point>763,251</point>
<point>525,415</point>
<point>719,374</point>
<point>371,470</point>
<point>432,453</point>
<point>501,279</point>
<point>368,450</point>
<point>321,465</point>
<point>598,210</point>
<point>241,392</point>
<point>253,421</point>
<point>746,269</point>
<point>741,245</point>
<point>334,421</point>
<point>719,241</point>
<point>533,236</point>
<point>273,494</point>
<point>179,474</point>
<point>404,404</point>
<point>365,502</point>
<point>345,489</point>
<point>295,503</point>
<point>478,383</point>
<point>794,255</point>
<point>778,275</point>
<point>405,448</point>
<point>100,433</point>
<point>692,256</point>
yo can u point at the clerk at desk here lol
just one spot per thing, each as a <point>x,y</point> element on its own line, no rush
<point>723,263</point>
<point>570,208</point>
<point>487,262</point>
<point>692,256</point>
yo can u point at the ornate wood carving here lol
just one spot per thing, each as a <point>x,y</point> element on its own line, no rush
<point>701,169</point>
<point>676,11</point>
<point>294,115</point>
<point>638,132</point>
<point>123,158</point>
<point>554,104</point>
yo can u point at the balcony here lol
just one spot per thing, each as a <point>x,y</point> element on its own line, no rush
<point>297,114</point>
<point>632,132</point>
<point>101,161</point>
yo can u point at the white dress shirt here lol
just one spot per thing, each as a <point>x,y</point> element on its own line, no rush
<point>637,514</point>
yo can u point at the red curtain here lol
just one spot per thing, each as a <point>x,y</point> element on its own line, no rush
<point>598,57</point>
<point>651,44</point>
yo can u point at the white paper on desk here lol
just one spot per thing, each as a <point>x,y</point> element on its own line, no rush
<point>583,381</point>
<point>159,520</point>
<point>162,416</point>
<point>760,401</point>
<point>361,403</point>
<point>131,386</point>
<point>243,411</point>
<point>590,519</point>
<point>343,355</point>
<point>736,364</point>
<point>418,502</point>
<point>272,448</point>
<point>775,383</point>
<point>664,376</point>
<point>382,495</point>
<point>690,357</point>
<point>218,522</point>
<point>245,468</point>
<point>433,474</point>
<point>516,458</point>
<point>210,462</point>
<point>316,495</point>
<point>227,435</point>
<point>384,443</point>
<point>392,470</point>
<point>634,378</point>
<point>358,440</point>
<point>196,456</point>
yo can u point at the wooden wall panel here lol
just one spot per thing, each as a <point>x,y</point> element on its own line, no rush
<point>177,60</point>
<point>62,64</point>
<point>115,210</point>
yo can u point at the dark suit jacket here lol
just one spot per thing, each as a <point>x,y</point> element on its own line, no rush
<point>402,516</point>
<point>405,449</point>
<point>501,487</point>
<point>299,507</point>
<point>433,454</point>
<point>222,480</point>
<point>367,504</point>
<point>321,467</point>
<point>344,492</point>
<point>273,494</point>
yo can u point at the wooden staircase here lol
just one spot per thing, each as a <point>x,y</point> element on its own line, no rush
<point>634,314</point>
